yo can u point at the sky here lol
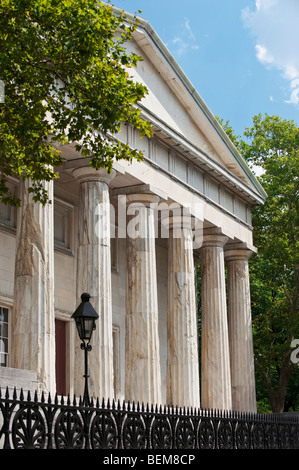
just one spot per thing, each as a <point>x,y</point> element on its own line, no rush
<point>242,56</point>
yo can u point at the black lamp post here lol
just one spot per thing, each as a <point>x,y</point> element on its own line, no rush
<point>85,317</point>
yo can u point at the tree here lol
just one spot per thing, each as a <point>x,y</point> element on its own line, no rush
<point>66,76</point>
<point>272,144</point>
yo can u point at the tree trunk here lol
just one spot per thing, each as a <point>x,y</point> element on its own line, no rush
<point>277,401</point>
<point>277,397</point>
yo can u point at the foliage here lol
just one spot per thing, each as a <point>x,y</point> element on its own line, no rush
<point>66,76</point>
<point>272,145</point>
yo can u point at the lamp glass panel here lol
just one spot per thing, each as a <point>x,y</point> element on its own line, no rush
<point>88,328</point>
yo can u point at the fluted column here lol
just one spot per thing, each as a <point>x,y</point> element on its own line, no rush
<point>240,330</point>
<point>143,375</point>
<point>94,277</point>
<point>215,379</point>
<point>182,360</point>
<point>33,323</point>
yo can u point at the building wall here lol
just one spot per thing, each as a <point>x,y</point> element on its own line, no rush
<point>188,162</point>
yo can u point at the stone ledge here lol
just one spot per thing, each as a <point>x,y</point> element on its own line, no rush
<point>19,378</point>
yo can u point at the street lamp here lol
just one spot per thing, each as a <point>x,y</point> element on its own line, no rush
<point>85,317</point>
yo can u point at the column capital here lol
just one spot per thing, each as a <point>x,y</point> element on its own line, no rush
<point>238,251</point>
<point>145,194</point>
<point>144,199</point>
<point>179,222</point>
<point>88,173</point>
<point>214,237</point>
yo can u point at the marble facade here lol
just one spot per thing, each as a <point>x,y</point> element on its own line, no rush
<point>107,234</point>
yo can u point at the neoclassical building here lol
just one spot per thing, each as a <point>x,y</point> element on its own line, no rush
<point>135,240</point>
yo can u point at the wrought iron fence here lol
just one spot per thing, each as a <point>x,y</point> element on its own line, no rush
<point>40,423</point>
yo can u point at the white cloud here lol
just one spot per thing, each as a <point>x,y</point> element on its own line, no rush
<point>263,54</point>
<point>294,98</point>
<point>275,26</point>
<point>264,4</point>
<point>185,41</point>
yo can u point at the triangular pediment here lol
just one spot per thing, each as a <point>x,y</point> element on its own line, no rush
<point>176,108</point>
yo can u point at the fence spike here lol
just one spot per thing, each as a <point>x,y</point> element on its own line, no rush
<point>248,417</point>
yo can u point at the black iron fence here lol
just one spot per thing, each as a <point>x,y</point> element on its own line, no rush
<point>40,423</point>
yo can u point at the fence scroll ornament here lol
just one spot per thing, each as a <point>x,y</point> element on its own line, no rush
<point>40,423</point>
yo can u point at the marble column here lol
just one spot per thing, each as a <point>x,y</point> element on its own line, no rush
<point>182,359</point>
<point>143,375</point>
<point>33,322</point>
<point>240,330</point>
<point>94,277</point>
<point>215,373</point>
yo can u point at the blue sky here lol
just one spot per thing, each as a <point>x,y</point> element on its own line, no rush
<point>242,56</point>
